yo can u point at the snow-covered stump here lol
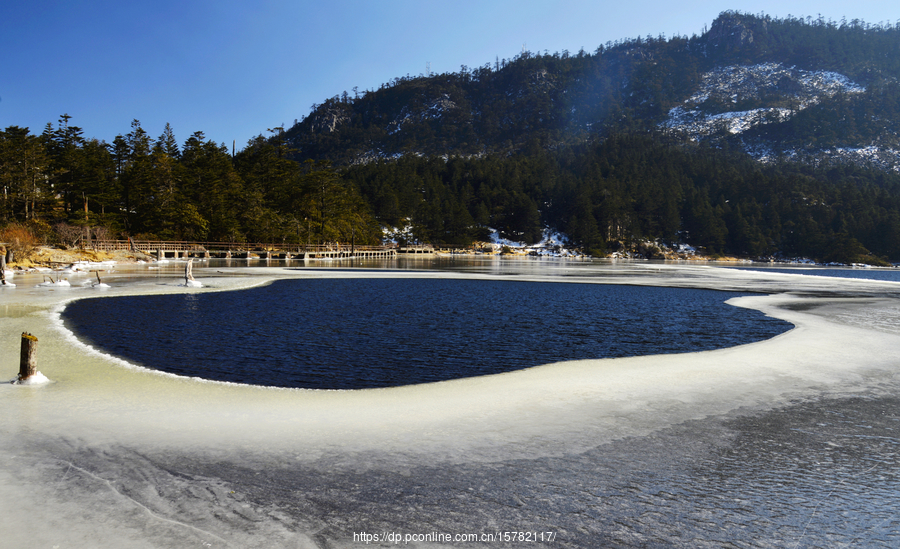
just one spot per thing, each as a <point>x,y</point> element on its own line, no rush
<point>189,276</point>
<point>5,257</point>
<point>99,283</point>
<point>28,357</point>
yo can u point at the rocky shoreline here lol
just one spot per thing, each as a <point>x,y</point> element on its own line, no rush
<point>47,257</point>
<point>51,257</point>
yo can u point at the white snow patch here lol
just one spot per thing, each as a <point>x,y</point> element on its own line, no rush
<point>552,244</point>
<point>685,249</point>
<point>62,283</point>
<point>396,234</point>
<point>436,109</point>
<point>37,379</point>
<point>697,124</point>
<point>741,83</point>
<point>883,158</point>
<point>85,266</point>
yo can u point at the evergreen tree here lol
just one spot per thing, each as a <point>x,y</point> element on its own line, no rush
<point>24,167</point>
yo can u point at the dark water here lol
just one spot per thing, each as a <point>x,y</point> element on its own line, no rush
<point>363,333</point>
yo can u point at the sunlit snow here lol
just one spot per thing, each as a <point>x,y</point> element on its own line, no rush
<point>734,84</point>
<point>113,455</point>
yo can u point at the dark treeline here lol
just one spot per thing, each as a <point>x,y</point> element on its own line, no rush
<point>157,189</point>
<point>631,188</point>
<point>604,195</point>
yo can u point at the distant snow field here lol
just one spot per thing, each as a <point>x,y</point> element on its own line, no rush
<point>789,88</point>
<point>734,84</point>
<point>552,244</point>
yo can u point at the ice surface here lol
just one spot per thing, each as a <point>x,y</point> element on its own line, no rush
<point>114,455</point>
<point>61,283</point>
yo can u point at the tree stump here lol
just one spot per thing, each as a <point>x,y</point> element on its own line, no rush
<point>28,357</point>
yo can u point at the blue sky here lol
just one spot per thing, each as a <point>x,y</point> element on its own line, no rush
<point>234,69</point>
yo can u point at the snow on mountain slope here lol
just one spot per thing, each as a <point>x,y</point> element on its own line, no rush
<point>731,100</point>
<point>778,90</point>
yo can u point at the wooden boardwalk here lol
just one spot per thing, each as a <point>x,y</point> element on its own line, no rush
<point>243,250</point>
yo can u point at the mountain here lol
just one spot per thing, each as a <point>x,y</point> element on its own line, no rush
<point>809,90</point>
<point>761,137</point>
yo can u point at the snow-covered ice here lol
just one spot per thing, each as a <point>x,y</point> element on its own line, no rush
<point>59,283</point>
<point>111,455</point>
<point>37,379</point>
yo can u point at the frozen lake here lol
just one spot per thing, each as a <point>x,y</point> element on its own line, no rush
<point>787,442</point>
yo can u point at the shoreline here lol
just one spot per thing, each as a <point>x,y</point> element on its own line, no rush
<point>843,343</point>
<point>44,259</point>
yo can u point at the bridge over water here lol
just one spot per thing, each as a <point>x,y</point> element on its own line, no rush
<point>163,249</point>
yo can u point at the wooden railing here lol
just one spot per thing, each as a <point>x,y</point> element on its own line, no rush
<point>186,246</point>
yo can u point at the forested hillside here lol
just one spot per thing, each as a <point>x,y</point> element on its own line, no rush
<point>628,188</point>
<point>549,100</point>
<point>158,189</point>
<point>760,137</point>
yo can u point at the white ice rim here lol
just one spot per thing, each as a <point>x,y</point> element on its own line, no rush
<point>54,316</point>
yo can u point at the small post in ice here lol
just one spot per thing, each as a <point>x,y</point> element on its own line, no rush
<point>28,360</point>
<point>2,266</point>
<point>188,274</point>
